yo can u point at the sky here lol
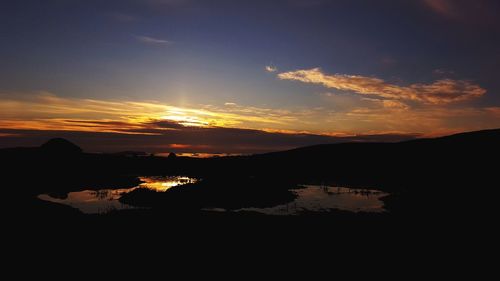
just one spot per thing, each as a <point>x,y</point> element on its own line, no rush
<point>245,76</point>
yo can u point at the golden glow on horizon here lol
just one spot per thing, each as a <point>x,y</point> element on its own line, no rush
<point>189,121</point>
<point>362,115</point>
<point>45,111</point>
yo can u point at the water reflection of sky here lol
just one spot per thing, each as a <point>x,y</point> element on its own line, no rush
<point>310,198</point>
<point>313,198</point>
<point>106,200</point>
<point>162,184</point>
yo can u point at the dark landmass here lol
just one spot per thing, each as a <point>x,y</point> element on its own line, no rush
<point>442,179</point>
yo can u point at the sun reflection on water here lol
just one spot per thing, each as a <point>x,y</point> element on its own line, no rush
<point>162,184</point>
<point>99,201</point>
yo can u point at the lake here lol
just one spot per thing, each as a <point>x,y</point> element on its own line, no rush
<point>102,201</point>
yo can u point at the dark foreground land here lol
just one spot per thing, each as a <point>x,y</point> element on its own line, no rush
<point>441,181</point>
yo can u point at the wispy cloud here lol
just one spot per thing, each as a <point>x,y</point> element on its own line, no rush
<point>478,12</point>
<point>45,110</point>
<point>495,111</point>
<point>440,92</point>
<point>122,17</point>
<point>153,41</point>
<point>166,3</point>
<point>443,7</point>
<point>100,125</point>
<point>351,115</point>
<point>270,68</point>
<point>443,72</point>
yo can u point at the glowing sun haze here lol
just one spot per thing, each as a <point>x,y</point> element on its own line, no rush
<point>192,76</point>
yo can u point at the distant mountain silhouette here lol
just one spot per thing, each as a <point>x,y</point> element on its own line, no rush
<point>480,139</point>
<point>60,146</point>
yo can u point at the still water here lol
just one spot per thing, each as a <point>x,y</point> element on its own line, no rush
<point>315,198</point>
<point>309,198</point>
<point>106,200</point>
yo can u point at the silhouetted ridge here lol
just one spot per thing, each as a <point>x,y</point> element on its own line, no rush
<point>61,146</point>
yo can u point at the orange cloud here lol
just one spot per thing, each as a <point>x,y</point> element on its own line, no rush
<point>350,115</point>
<point>46,111</point>
<point>495,111</point>
<point>440,92</point>
<point>178,145</point>
<point>8,135</point>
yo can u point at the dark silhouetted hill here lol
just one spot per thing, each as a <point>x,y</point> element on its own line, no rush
<point>60,146</point>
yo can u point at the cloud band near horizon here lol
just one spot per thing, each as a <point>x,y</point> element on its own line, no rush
<point>228,128</point>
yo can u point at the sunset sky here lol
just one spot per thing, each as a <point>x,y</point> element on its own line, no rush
<point>245,76</point>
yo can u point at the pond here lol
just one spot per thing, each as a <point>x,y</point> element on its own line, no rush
<point>106,200</point>
<point>309,198</point>
<point>315,198</point>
